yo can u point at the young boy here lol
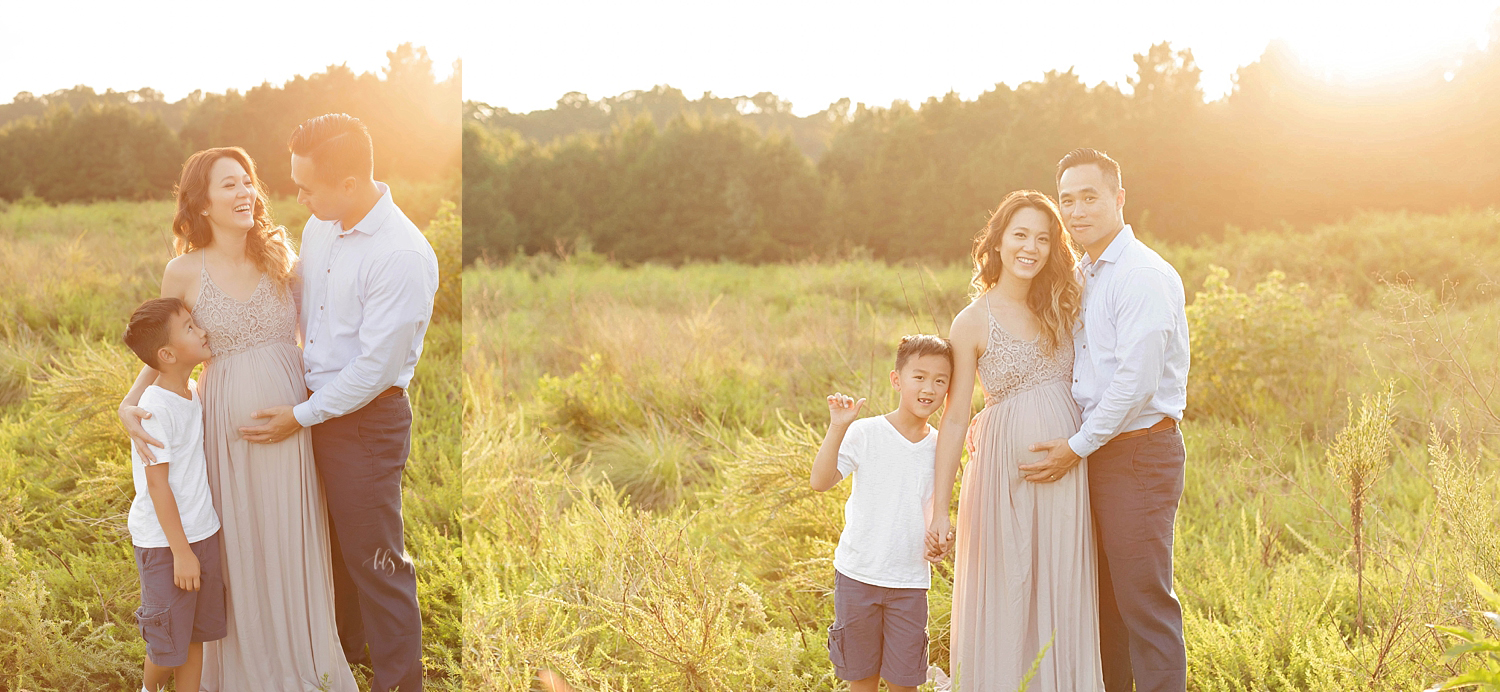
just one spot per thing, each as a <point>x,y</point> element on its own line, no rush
<point>172,520</point>
<point>881,570</point>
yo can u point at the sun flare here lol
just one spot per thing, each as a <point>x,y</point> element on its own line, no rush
<point>1372,43</point>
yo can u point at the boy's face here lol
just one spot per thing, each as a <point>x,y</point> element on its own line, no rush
<point>923,383</point>
<point>187,344</point>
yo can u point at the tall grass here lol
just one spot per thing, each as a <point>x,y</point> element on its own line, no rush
<point>638,439</point>
<point>69,277</point>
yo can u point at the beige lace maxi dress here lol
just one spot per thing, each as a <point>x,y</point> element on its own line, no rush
<point>277,572</point>
<point>1024,562</point>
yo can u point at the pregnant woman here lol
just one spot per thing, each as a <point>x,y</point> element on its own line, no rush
<point>235,271</point>
<point>1024,575</point>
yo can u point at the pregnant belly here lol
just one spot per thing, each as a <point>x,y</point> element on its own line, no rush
<point>236,386</point>
<point>1010,427</point>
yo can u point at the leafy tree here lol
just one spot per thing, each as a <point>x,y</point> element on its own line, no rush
<point>80,145</point>
<point>655,175</point>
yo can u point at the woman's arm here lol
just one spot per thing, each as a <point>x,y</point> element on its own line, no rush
<point>142,381</point>
<point>173,285</point>
<point>957,412</point>
<point>296,288</point>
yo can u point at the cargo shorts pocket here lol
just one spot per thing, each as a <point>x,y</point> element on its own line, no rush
<point>155,623</point>
<point>836,646</point>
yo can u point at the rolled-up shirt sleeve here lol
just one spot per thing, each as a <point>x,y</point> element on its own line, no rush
<point>1145,319</point>
<point>397,306</point>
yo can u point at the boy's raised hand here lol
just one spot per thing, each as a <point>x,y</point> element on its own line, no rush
<point>843,410</point>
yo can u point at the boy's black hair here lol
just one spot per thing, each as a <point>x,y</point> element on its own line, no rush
<point>917,345</point>
<point>150,328</point>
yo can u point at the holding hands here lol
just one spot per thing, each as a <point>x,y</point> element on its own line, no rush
<point>939,538</point>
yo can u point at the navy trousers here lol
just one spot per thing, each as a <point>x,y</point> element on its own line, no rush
<point>360,458</point>
<point>1134,488</point>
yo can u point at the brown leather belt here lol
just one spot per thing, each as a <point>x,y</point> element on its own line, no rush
<point>393,390</point>
<point>1164,424</point>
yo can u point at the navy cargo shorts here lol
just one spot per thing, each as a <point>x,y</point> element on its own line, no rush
<point>169,618</point>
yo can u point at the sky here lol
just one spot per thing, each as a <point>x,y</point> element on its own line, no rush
<point>177,47</point>
<point>525,55</point>
<point>874,51</point>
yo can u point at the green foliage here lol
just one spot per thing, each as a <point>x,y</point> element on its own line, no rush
<point>576,113</point>
<point>97,152</point>
<point>916,180</point>
<point>1481,648</point>
<point>77,145</point>
<point>69,277</point>
<point>697,189</point>
<point>1263,355</point>
<point>1361,257</point>
<point>445,234</point>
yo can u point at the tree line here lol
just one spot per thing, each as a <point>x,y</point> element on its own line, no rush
<point>76,145</point>
<point>651,175</point>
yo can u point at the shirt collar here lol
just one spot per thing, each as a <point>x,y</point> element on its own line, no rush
<point>1117,246</point>
<point>375,218</point>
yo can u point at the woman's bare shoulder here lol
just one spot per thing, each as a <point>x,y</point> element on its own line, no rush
<point>180,273</point>
<point>970,323</point>
<point>185,264</point>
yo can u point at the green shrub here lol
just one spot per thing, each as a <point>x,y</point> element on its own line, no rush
<point>1266,356</point>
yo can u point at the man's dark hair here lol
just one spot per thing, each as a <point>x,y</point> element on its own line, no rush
<point>918,345</point>
<point>339,146</point>
<point>1080,157</point>
<point>151,327</point>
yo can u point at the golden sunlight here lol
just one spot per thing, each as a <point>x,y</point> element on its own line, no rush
<point>1371,43</point>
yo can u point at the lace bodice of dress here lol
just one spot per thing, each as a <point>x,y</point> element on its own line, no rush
<point>1010,366</point>
<point>234,326</point>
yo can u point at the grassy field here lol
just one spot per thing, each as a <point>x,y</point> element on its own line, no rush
<point>637,441</point>
<point>69,277</point>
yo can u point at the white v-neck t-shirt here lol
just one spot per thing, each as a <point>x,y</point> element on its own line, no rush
<point>177,423</point>
<point>885,519</point>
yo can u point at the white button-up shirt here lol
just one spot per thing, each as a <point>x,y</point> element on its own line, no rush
<point>367,297</point>
<point>1130,355</point>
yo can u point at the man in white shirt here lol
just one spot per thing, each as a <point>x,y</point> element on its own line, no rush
<point>368,282</point>
<point>1130,370</point>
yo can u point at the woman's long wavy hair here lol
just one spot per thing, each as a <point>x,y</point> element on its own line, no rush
<point>266,245</point>
<point>1055,296</point>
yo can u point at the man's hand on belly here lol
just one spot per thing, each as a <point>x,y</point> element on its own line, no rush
<point>282,424</point>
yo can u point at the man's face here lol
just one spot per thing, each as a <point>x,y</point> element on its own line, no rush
<point>1090,204</point>
<point>327,200</point>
